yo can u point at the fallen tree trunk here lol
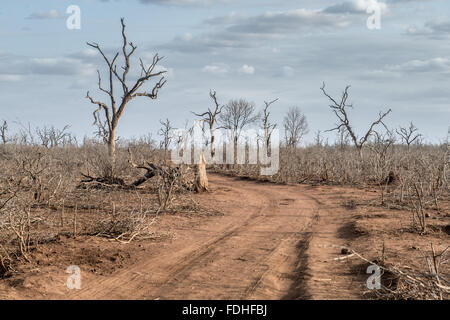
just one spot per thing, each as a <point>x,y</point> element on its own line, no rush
<point>152,171</point>
<point>182,176</point>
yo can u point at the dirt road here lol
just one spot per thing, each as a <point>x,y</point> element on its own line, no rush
<point>259,249</point>
<point>272,242</point>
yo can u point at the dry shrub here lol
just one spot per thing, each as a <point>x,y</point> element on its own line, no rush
<point>415,178</point>
<point>31,177</point>
<point>127,226</point>
<point>405,283</point>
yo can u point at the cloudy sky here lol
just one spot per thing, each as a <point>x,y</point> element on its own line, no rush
<point>253,49</point>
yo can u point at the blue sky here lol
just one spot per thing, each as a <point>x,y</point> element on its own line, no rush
<point>253,49</point>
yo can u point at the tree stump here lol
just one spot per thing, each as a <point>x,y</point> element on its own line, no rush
<point>201,183</point>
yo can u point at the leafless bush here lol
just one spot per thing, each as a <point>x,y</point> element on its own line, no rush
<point>31,178</point>
<point>127,226</point>
<point>168,180</point>
<point>419,208</point>
<point>51,137</point>
<point>385,165</point>
<point>406,283</point>
<point>381,147</point>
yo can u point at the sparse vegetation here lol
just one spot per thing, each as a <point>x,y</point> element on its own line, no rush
<point>53,186</point>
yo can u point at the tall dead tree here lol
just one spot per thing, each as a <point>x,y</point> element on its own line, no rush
<point>115,108</point>
<point>295,127</point>
<point>409,135</point>
<point>166,133</point>
<point>210,118</point>
<point>4,132</point>
<point>339,109</point>
<point>236,115</point>
<point>266,125</point>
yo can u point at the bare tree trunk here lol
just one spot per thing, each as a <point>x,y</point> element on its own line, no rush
<point>213,149</point>
<point>201,184</point>
<point>111,113</point>
<point>112,151</point>
<point>210,117</point>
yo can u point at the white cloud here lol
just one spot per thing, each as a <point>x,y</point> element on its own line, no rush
<point>356,7</point>
<point>183,2</point>
<point>187,37</point>
<point>276,50</point>
<point>433,29</point>
<point>90,52</point>
<point>292,21</point>
<point>239,31</point>
<point>10,78</point>
<point>435,65</point>
<point>231,18</point>
<point>44,15</point>
<point>61,66</point>
<point>287,71</point>
<point>247,69</point>
<point>432,66</point>
<point>216,69</point>
<point>170,73</point>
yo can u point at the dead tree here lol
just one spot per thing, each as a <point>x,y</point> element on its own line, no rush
<point>318,140</point>
<point>52,137</point>
<point>295,127</point>
<point>236,115</point>
<point>115,108</point>
<point>4,132</point>
<point>409,135</point>
<point>165,132</point>
<point>173,175</point>
<point>343,140</point>
<point>26,135</point>
<point>267,126</point>
<point>339,109</point>
<point>210,117</point>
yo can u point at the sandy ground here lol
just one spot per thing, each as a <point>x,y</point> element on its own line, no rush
<point>272,242</point>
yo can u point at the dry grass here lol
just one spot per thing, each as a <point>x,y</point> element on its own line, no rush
<point>42,197</point>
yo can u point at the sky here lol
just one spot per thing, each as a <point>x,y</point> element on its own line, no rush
<point>258,50</point>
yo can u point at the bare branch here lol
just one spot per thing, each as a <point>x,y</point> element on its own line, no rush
<point>111,112</point>
<point>295,126</point>
<point>210,118</point>
<point>409,135</point>
<point>339,109</point>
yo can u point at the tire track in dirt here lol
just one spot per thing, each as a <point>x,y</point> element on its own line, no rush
<point>259,249</point>
<point>179,269</point>
<point>262,268</point>
<point>185,269</point>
